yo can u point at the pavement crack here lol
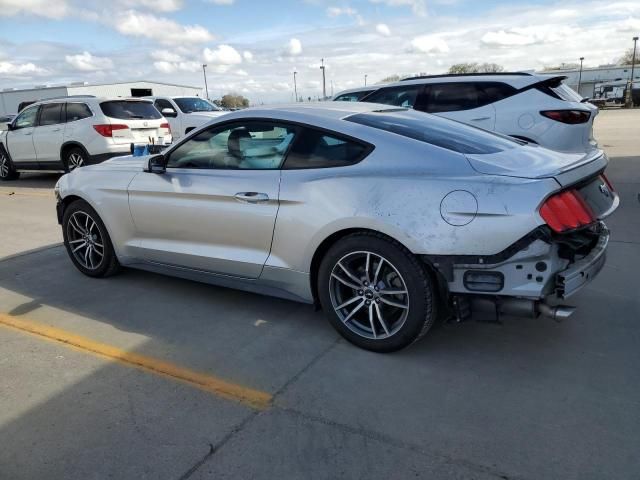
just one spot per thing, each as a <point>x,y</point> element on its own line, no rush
<point>395,442</point>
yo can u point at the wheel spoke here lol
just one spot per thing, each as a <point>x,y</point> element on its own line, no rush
<point>373,327</point>
<point>393,304</point>
<point>378,268</point>
<point>353,312</point>
<point>392,292</point>
<point>366,267</point>
<point>345,282</point>
<point>80,246</point>
<point>348,302</point>
<point>76,241</point>
<point>86,256</point>
<point>93,224</point>
<point>349,274</point>
<point>381,319</point>
<point>73,221</point>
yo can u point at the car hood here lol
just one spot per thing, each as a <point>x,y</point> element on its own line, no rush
<point>205,115</point>
<point>532,161</point>
<point>127,162</point>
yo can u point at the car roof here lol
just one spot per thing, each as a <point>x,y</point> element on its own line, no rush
<point>515,79</point>
<point>154,97</point>
<point>86,99</point>
<point>360,89</point>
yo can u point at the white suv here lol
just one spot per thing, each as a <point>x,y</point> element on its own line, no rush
<point>186,113</point>
<point>66,133</point>
<point>536,108</point>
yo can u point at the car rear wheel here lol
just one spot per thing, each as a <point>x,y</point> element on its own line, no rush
<point>87,241</point>
<point>7,169</point>
<point>75,158</point>
<point>376,293</point>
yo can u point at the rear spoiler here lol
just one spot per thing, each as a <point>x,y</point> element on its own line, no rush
<point>546,84</point>
<point>591,164</point>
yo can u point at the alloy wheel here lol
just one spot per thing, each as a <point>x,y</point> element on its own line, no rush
<point>85,240</point>
<point>75,161</point>
<point>369,295</point>
<point>4,166</point>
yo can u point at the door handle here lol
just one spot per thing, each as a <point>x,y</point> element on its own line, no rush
<point>56,130</point>
<point>28,133</point>
<point>251,197</point>
<point>479,119</point>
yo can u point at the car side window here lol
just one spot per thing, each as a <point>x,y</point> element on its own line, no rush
<point>161,103</point>
<point>50,114</point>
<point>27,118</point>
<point>241,145</point>
<point>453,97</point>
<point>318,149</point>
<point>77,111</point>
<point>403,96</point>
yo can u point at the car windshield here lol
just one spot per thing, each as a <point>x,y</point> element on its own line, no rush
<point>127,109</point>
<point>437,131</point>
<point>195,104</point>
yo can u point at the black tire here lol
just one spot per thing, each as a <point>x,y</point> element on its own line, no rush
<point>103,266</point>
<point>75,157</point>
<point>420,296</point>
<point>7,168</point>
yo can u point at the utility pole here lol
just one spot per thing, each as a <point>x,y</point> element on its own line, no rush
<point>629,100</point>
<point>580,77</point>
<point>324,83</point>
<point>365,79</point>
<point>204,72</point>
<point>332,88</point>
<point>295,85</point>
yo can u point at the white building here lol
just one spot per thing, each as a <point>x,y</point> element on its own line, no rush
<point>10,98</point>
<point>591,76</point>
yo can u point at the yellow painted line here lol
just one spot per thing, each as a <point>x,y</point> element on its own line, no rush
<point>11,193</point>
<point>222,388</point>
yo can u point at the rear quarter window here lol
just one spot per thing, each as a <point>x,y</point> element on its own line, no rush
<point>128,110</point>
<point>402,96</point>
<point>449,134</point>
<point>318,149</point>
<point>77,111</point>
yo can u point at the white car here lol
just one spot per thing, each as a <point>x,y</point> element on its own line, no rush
<point>355,94</point>
<point>66,133</point>
<point>536,108</point>
<point>186,113</point>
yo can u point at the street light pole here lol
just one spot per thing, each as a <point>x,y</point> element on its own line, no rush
<point>365,79</point>
<point>204,72</point>
<point>580,77</point>
<point>324,84</point>
<point>295,85</point>
<point>633,67</point>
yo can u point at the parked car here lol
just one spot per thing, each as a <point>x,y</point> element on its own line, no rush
<point>355,94</point>
<point>536,108</point>
<point>63,134</point>
<point>383,216</point>
<point>186,113</point>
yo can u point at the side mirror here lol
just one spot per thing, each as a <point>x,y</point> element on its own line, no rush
<point>169,113</point>
<point>157,164</point>
<point>10,126</point>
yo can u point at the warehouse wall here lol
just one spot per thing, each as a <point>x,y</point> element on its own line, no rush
<point>9,100</point>
<point>124,89</point>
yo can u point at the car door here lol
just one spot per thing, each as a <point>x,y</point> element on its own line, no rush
<point>174,120</point>
<point>48,135</point>
<point>214,209</point>
<point>462,101</point>
<point>20,138</point>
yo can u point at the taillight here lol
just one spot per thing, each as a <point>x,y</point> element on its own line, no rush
<point>566,211</point>
<point>166,125</point>
<point>107,130</point>
<point>572,117</point>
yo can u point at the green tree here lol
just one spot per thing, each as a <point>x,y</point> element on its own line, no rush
<point>475,67</point>
<point>562,66</point>
<point>390,79</point>
<point>233,100</point>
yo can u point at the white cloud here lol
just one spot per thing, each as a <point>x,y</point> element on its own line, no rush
<point>630,25</point>
<point>42,8</point>
<point>157,5</point>
<point>418,7</point>
<point>86,62</point>
<point>222,2</point>
<point>241,72</point>
<point>165,56</point>
<point>247,55</point>
<point>504,38</point>
<point>337,11</point>
<point>429,44</point>
<point>223,55</point>
<point>383,29</point>
<point>162,30</point>
<point>165,67</point>
<point>11,69</point>
<point>294,47</point>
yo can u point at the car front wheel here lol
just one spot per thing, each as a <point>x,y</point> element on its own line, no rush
<point>376,293</point>
<point>7,169</point>
<point>75,158</point>
<point>87,241</point>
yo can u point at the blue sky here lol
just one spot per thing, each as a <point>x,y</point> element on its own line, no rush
<point>253,47</point>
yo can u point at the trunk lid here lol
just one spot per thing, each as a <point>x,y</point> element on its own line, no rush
<point>532,161</point>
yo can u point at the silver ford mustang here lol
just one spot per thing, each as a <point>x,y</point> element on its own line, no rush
<point>384,217</point>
